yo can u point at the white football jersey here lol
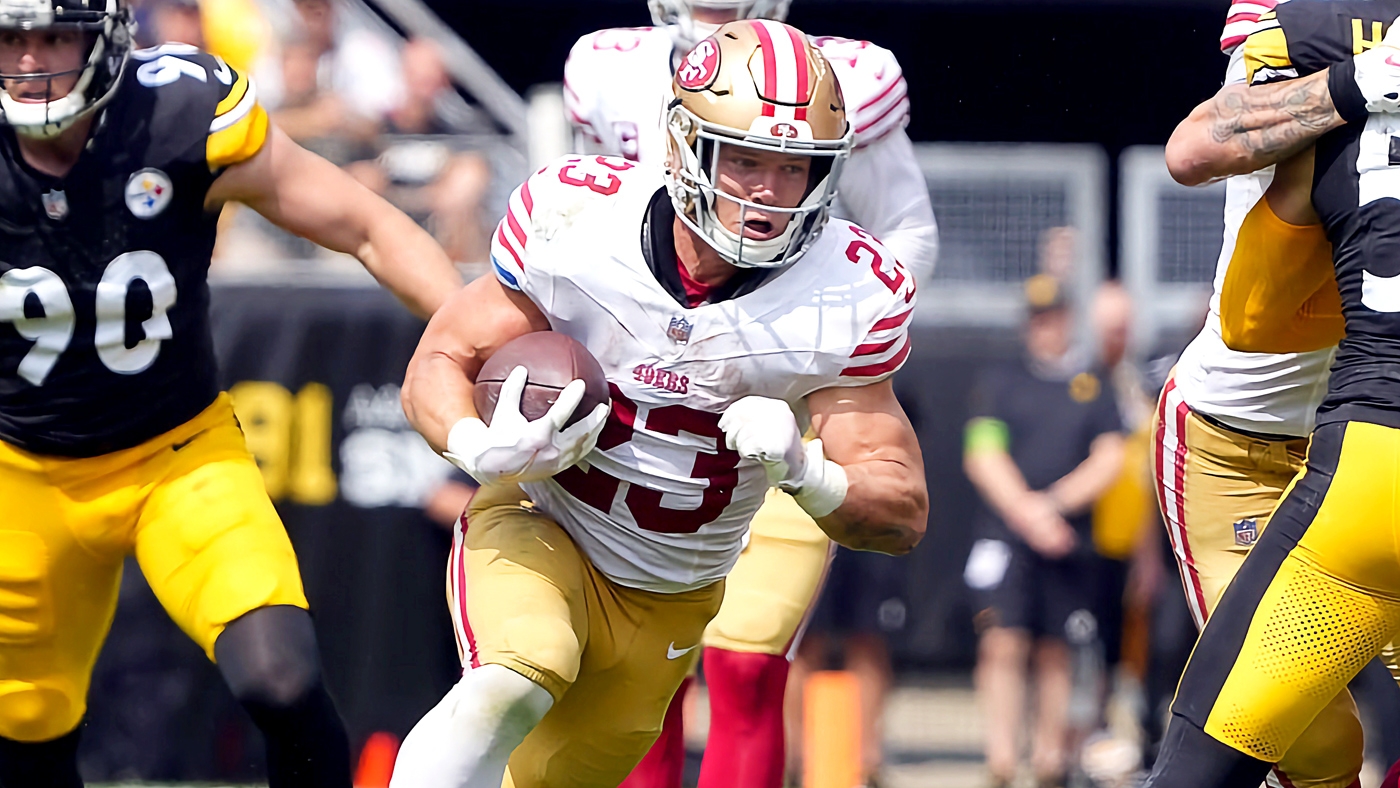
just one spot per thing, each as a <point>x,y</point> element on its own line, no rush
<point>1273,393</point>
<point>617,84</point>
<point>661,504</point>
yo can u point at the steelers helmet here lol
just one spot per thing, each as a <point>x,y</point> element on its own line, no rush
<point>678,16</point>
<point>756,84</point>
<point>107,22</point>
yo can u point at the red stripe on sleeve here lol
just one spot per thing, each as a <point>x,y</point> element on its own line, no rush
<point>872,370</point>
<point>527,199</point>
<point>883,93</point>
<point>892,322</point>
<point>501,236</point>
<point>902,102</point>
<point>515,227</point>
<point>873,348</point>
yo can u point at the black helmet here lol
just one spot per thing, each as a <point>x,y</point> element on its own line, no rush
<point>110,23</point>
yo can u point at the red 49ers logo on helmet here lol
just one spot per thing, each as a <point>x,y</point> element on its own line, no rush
<point>700,66</point>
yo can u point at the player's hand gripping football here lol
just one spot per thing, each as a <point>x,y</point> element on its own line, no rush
<point>514,449</point>
<point>1378,73</point>
<point>764,430</point>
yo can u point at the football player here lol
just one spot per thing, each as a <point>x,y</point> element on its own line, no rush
<point>726,311</point>
<point>617,84</point>
<point>1314,600</point>
<point>114,438</point>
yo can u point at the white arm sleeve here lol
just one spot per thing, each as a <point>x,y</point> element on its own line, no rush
<point>883,190</point>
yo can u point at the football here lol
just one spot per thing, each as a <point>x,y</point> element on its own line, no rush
<point>553,360</point>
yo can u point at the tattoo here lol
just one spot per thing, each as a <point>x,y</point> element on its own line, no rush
<point>1268,123</point>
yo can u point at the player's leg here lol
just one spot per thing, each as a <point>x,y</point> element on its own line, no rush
<point>218,558</point>
<point>664,764</point>
<point>640,647</point>
<point>1217,489</point>
<point>1007,621</point>
<point>516,585</point>
<point>767,599</point>
<point>66,527</point>
<point>1313,603</point>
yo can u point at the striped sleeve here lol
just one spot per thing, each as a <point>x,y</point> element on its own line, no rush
<point>577,94</point>
<point>883,351</point>
<point>239,127</point>
<point>1241,20</point>
<point>510,243</point>
<point>877,97</point>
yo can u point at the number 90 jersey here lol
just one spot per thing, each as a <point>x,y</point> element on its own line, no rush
<point>661,504</point>
<point>104,303</point>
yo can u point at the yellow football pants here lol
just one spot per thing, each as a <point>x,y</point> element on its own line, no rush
<point>192,507</point>
<point>770,593</point>
<point>523,596</point>
<point>1317,599</point>
<point>1217,488</point>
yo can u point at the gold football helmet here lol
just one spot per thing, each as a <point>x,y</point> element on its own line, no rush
<point>756,84</point>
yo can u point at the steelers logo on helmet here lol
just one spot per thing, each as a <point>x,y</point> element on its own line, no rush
<point>148,192</point>
<point>766,87</point>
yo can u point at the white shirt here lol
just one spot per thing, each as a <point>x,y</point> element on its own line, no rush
<point>661,505</point>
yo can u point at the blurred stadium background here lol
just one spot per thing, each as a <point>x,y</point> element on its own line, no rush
<point>1039,126</point>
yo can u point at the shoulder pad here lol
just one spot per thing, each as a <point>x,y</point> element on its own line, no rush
<point>603,56</point>
<point>194,96</point>
<point>877,98</point>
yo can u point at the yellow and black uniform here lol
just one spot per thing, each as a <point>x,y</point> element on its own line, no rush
<point>114,438</point>
<point>1319,595</point>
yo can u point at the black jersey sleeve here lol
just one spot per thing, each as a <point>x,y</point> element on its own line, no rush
<point>1303,37</point>
<point>201,105</point>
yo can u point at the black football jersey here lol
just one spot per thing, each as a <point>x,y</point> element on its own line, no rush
<point>104,300</point>
<point>1356,192</point>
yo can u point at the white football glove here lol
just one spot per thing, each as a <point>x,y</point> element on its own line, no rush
<point>1378,73</point>
<point>765,430</point>
<point>515,450</point>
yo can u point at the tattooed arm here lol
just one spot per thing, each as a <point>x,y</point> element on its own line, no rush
<point>1245,128</point>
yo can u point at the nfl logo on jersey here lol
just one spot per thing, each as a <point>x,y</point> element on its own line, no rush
<point>679,330</point>
<point>1246,531</point>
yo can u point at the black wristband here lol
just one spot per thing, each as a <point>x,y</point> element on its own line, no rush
<point>1346,96</point>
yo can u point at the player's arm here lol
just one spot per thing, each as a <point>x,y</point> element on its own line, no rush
<point>885,191</point>
<point>865,432</point>
<point>460,337</point>
<point>310,197</point>
<point>1257,120</point>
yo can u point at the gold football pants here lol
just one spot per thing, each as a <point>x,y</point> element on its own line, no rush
<point>1318,598</point>
<point>1217,488</point>
<point>192,507</point>
<point>524,597</point>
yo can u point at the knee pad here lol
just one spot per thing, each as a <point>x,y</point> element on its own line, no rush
<point>499,692</point>
<point>37,713</point>
<point>269,657</point>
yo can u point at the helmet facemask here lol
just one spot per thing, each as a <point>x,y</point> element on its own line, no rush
<point>695,193</point>
<point>678,16</point>
<point>97,78</point>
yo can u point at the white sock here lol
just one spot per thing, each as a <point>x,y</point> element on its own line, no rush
<point>466,740</point>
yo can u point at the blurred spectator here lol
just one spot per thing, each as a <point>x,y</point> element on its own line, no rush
<point>169,22</point>
<point>425,175</point>
<point>1045,442</point>
<point>332,78</point>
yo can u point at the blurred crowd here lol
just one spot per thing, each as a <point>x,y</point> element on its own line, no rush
<point>338,82</point>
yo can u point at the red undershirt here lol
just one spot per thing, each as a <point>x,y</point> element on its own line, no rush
<point>696,293</point>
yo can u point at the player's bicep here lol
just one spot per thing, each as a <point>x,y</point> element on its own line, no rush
<point>477,321</point>
<point>300,192</point>
<point>863,424</point>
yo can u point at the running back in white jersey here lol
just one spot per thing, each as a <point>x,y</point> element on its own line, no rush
<point>617,83</point>
<point>661,504</point>
<point>1271,393</point>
